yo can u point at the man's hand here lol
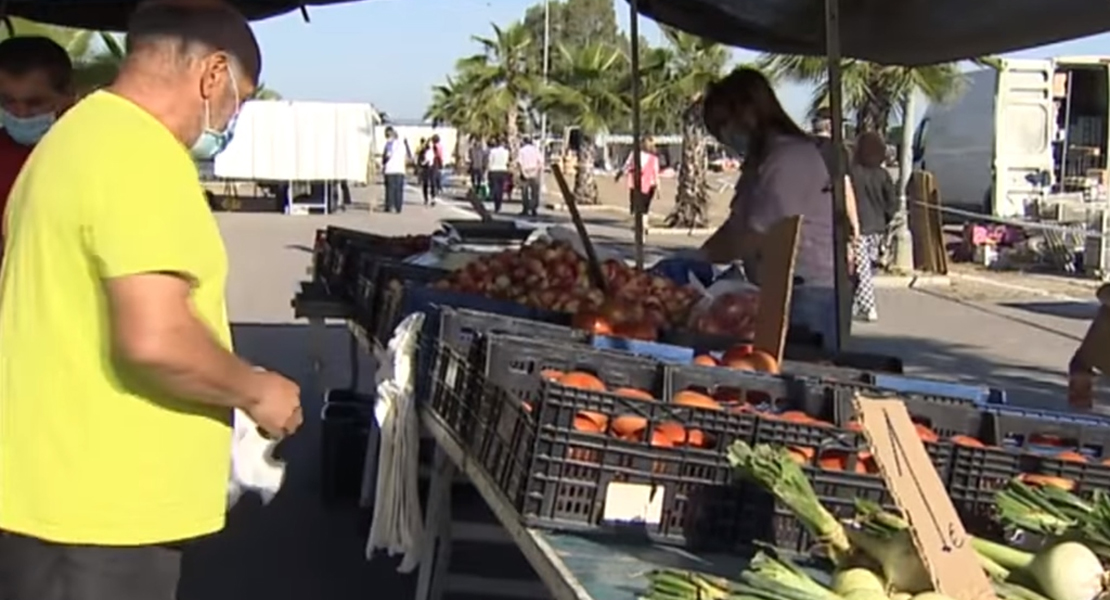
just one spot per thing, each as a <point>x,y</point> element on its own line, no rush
<point>277,406</point>
<point>1081,395</point>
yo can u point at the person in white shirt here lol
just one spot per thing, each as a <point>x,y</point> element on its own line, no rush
<point>395,160</point>
<point>498,172</point>
<point>530,164</point>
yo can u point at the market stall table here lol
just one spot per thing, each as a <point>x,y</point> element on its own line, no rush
<point>573,567</point>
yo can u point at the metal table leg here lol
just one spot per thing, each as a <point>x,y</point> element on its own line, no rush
<point>353,357</point>
<point>435,553</point>
<point>316,331</point>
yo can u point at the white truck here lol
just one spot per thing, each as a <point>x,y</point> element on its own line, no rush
<point>1020,135</point>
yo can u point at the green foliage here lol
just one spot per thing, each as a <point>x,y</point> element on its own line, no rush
<point>96,55</point>
<point>874,94</point>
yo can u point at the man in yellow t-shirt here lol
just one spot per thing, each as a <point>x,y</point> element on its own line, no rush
<point>117,381</point>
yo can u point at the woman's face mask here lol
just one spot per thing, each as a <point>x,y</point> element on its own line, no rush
<point>735,138</point>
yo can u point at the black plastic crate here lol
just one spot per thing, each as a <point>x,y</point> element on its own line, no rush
<point>347,252</point>
<point>487,231</point>
<point>320,251</point>
<point>557,476</point>
<point>830,403</point>
<point>379,275</point>
<point>1043,431</point>
<point>735,518</point>
<point>515,363</point>
<point>461,328</point>
<point>399,301</point>
<point>977,473</point>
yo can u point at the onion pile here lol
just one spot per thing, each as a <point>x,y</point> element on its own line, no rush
<point>553,276</point>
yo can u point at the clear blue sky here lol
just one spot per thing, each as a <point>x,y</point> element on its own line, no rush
<point>390,52</point>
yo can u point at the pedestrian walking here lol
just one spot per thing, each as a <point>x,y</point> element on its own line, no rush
<point>477,155</point>
<point>429,174</point>
<point>439,161</point>
<point>395,160</point>
<point>530,165</point>
<point>876,204</point>
<point>114,467</point>
<point>649,176</point>
<point>499,175</point>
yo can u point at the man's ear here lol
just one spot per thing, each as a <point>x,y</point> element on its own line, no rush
<point>213,68</point>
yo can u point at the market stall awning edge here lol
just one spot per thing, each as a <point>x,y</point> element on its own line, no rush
<point>908,32</point>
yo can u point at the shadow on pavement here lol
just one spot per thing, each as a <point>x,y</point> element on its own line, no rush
<point>1025,385</point>
<point>295,548</point>
<point>1084,311</point>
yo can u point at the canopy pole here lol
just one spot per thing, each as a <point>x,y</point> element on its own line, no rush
<point>635,195</point>
<point>843,284</point>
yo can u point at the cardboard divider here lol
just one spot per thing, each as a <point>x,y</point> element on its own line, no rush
<point>942,543</point>
<point>776,286</point>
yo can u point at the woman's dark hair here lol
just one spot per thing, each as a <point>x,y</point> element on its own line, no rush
<point>870,149</point>
<point>748,87</point>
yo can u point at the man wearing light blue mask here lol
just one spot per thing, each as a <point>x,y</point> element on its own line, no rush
<point>35,87</point>
<point>116,259</point>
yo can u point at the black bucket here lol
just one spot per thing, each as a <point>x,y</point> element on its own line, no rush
<point>347,423</point>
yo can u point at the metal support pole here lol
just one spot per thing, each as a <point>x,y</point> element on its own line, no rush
<point>636,195</point>
<point>903,237</point>
<point>844,290</point>
<point>543,117</point>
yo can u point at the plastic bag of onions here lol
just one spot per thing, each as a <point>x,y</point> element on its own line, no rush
<point>728,308</point>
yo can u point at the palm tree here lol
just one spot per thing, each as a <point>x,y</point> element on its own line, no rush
<point>265,93</point>
<point>96,55</point>
<point>583,89</point>
<point>677,76</point>
<point>873,93</point>
<point>471,110</point>
<point>502,75</point>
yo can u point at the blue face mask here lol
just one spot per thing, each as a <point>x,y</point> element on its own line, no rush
<point>735,139</point>
<point>27,131</point>
<point>212,142</point>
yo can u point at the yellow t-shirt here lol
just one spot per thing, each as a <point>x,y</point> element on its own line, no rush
<point>89,452</point>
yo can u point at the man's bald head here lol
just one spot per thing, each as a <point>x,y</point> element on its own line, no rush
<point>191,28</point>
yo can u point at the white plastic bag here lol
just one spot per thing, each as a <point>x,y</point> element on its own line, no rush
<point>253,466</point>
<point>729,307</point>
<point>396,526</point>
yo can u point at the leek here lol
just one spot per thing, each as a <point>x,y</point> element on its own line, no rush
<point>773,469</point>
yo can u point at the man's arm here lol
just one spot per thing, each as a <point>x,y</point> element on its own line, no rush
<point>146,255</point>
<point>154,329</point>
<point>732,240</point>
<point>851,207</point>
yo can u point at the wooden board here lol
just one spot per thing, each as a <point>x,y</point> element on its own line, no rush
<point>776,285</point>
<point>942,543</point>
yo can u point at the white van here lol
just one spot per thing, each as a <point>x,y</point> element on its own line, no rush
<point>1032,128</point>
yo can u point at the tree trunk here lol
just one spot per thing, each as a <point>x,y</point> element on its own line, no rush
<point>585,185</point>
<point>512,132</point>
<point>691,205</point>
<point>462,142</point>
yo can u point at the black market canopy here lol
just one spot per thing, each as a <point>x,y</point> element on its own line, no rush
<point>112,16</point>
<point>886,31</point>
<point>907,32</point>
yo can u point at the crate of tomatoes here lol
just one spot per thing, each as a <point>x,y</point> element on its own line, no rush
<point>556,424</point>
<point>1048,448</point>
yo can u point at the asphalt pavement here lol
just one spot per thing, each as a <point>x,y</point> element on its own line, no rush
<point>296,549</point>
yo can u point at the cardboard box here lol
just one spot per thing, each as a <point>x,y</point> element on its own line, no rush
<point>942,543</point>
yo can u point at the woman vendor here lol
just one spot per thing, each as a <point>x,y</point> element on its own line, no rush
<point>784,174</point>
